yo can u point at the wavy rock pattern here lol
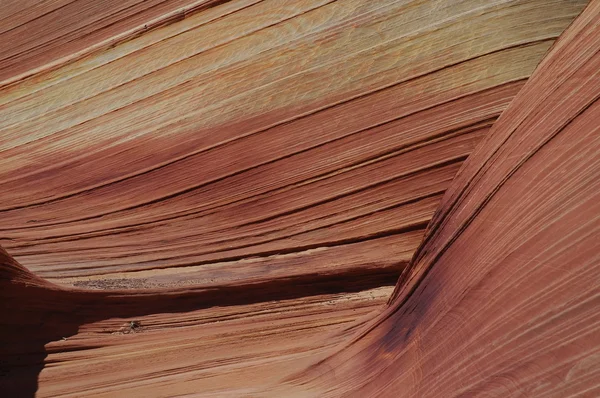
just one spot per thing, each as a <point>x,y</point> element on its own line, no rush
<point>501,298</point>
<point>217,197</point>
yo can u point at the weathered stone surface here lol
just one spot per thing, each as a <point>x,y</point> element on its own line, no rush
<point>219,201</point>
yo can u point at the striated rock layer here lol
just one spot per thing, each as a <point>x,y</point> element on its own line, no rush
<point>217,197</point>
<point>501,298</point>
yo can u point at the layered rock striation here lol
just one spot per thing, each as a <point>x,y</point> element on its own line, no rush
<point>218,197</point>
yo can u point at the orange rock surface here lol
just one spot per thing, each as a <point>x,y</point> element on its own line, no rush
<point>216,198</point>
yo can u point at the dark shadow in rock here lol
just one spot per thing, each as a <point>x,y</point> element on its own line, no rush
<point>35,313</point>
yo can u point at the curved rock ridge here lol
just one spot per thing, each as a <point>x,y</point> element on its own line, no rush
<point>216,198</point>
<point>159,162</point>
<point>501,298</point>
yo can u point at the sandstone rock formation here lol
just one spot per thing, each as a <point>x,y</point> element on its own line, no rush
<point>217,197</point>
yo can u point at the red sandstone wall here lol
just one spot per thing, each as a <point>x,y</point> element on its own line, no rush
<point>220,202</point>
